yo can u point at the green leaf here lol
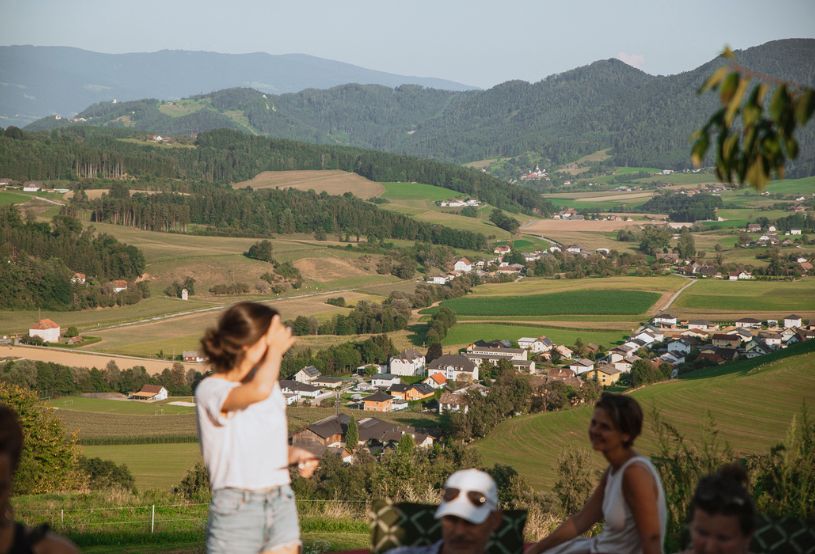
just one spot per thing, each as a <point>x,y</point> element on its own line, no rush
<point>714,80</point>
<point>804,106</point>
<point>779,104</point>
<point>729,86</point>
<point>735,101</point>
<point>792,148</point>
<point>728,53</point>
<point>756,175</point>
<point>699,149</point>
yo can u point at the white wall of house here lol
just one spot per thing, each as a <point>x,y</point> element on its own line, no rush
<point>48,335</point>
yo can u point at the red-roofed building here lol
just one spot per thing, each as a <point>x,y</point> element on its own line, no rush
<point>119,285</point>
<point>46,329</point>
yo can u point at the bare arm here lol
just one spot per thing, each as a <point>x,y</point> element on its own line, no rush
<point>278,340</point>
<point>640,492</point>
<point>307,462</point>
<point>579,523</point>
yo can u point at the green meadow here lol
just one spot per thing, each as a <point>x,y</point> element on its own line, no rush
<point>751,401</point>
<point>746,296</point>
<point>466,333</point>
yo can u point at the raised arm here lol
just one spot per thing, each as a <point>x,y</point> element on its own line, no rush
<point>278,339</point>
<point>641,495</point>
<point>579,523</point>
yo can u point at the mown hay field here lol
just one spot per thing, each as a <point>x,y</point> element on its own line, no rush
<point>539,285</point>
<point>332,181</point>
<point>750,296</point>
<point>623,302</point>
<point>154,466</point>
<point>752,403</point>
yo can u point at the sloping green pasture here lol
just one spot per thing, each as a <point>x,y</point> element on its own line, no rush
<point>782,296</point>
<point>752,403</point>
<point>628,302</point>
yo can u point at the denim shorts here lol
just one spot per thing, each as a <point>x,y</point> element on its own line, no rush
<point>244,521</point>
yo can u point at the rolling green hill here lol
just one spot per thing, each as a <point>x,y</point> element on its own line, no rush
<point>646,120</point>
<point>751,401</point>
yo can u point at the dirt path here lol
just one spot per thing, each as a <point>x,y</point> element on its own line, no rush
<point>674,296</point>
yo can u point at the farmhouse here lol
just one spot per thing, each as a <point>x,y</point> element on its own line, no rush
<point>773,340</point>
<point>679,347</point>
<point>453,402</point>
<point>307,374</point>
<point>464,265</point>
<point>667,320</point>
<point>46,329</point>
<point>748,323</point>
<point>78,279</point>
<point>604,374</point>
<point>378,402</point>
<point>385,380</point>
<point>150,392</point>
<point>726,341</point>
<point>418,391</point>
<point>192,356</point>
<point>581,366</point>
<point>327,382</point>
<point>119,285</point>
<point>454,368</point>
<point>302,391</point>
<point>792,321</point>
<point>700,325</point>
<point>327,432</point>
<point>501,250</point>
<point>408,362</point>
<point>536,345</point>
<point>436,381</point>
<point>564,351</point>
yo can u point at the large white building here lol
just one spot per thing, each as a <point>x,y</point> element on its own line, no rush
<point>409,363</point>
<point>454,368</point>
<point>46,329</point>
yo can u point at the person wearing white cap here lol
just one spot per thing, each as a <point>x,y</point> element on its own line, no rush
<point>469,515</point>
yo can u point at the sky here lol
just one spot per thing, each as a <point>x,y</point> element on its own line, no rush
<point>477,42</point>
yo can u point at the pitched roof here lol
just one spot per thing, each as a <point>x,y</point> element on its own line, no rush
<point>439,378</point>
<point>793,316</point>
<point>151,389</point>
<point>409,354</point>
<point>311,371</point>
<point>45,324</point>
<point>297,386</point>
<point>459,363</point>
<point>331,425</point>
<point>747,320</point>
<point>378,396</point>
<point>422,388</point>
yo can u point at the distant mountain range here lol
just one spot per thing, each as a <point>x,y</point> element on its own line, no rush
<point>645,120</point>
<point>36,81</point>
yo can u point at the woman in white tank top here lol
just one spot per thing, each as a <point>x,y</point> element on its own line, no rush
<point>629,499</point>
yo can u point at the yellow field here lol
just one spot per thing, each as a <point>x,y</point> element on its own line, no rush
<point>332,181</point>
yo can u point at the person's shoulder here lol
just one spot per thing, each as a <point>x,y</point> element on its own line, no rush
<point>55,544</point>
<point>211,384</point>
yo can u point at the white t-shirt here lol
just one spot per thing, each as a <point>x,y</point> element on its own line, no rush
<point>244,449</point>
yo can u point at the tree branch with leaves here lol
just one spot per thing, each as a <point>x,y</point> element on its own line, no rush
<point>754,137</point>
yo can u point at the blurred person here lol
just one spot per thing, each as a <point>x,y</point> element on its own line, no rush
<point>16,538</point>
<point>241,415</point>
<point>469,515</point>
<point>629,500</point>
<point>722,516</point>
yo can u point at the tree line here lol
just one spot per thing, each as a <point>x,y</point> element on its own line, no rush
<point>684,207</point>
<point>224,211</point>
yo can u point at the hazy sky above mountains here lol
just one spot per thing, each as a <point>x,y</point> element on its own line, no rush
<point>477,42</point>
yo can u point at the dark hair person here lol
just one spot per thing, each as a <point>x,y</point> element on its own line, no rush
<point>15,537</point>
<point>244,435</point>
<point>722,517</point>
<point>629,499</point>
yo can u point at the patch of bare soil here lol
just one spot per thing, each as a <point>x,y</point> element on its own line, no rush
<point>327,269</point>
<point>331,181</point>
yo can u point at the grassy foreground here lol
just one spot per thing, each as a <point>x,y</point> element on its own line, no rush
<point>752,403</point>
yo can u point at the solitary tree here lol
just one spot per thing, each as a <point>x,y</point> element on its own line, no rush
<point>352,435</point>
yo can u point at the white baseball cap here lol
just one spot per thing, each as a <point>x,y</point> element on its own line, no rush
<point>470,494</point>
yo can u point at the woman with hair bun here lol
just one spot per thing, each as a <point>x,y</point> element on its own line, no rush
<point>244,435</point>
<point>722,517</point>
<point>629,499</point>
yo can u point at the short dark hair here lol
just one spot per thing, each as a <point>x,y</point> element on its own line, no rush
<point>725,492</point>
<point>625,412</point>
<point>11,435</point>
<point>243,324</point>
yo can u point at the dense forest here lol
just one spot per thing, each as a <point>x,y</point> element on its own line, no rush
<point>224,156</point>
<point>684,207</point>
<point>39,260</point>
<point>646,120</point>
<point>263,212</point>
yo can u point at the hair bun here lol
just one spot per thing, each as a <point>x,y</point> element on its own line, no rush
<point>734,472</point>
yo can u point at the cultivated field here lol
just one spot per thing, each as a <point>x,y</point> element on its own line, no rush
<point>78,358</point>
<point>752,402</point>
<point>551,227</point>
<point>154,466</point>
<point>333,181</point>
<point>588,302</point>
<point>464,333</point>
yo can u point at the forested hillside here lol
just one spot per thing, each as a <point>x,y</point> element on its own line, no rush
<point>646,120</point>
<point>225,156</point>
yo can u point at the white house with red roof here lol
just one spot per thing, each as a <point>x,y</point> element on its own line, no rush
<point>464,265</point>
<point>119,285</point>
<point>47,330</point>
